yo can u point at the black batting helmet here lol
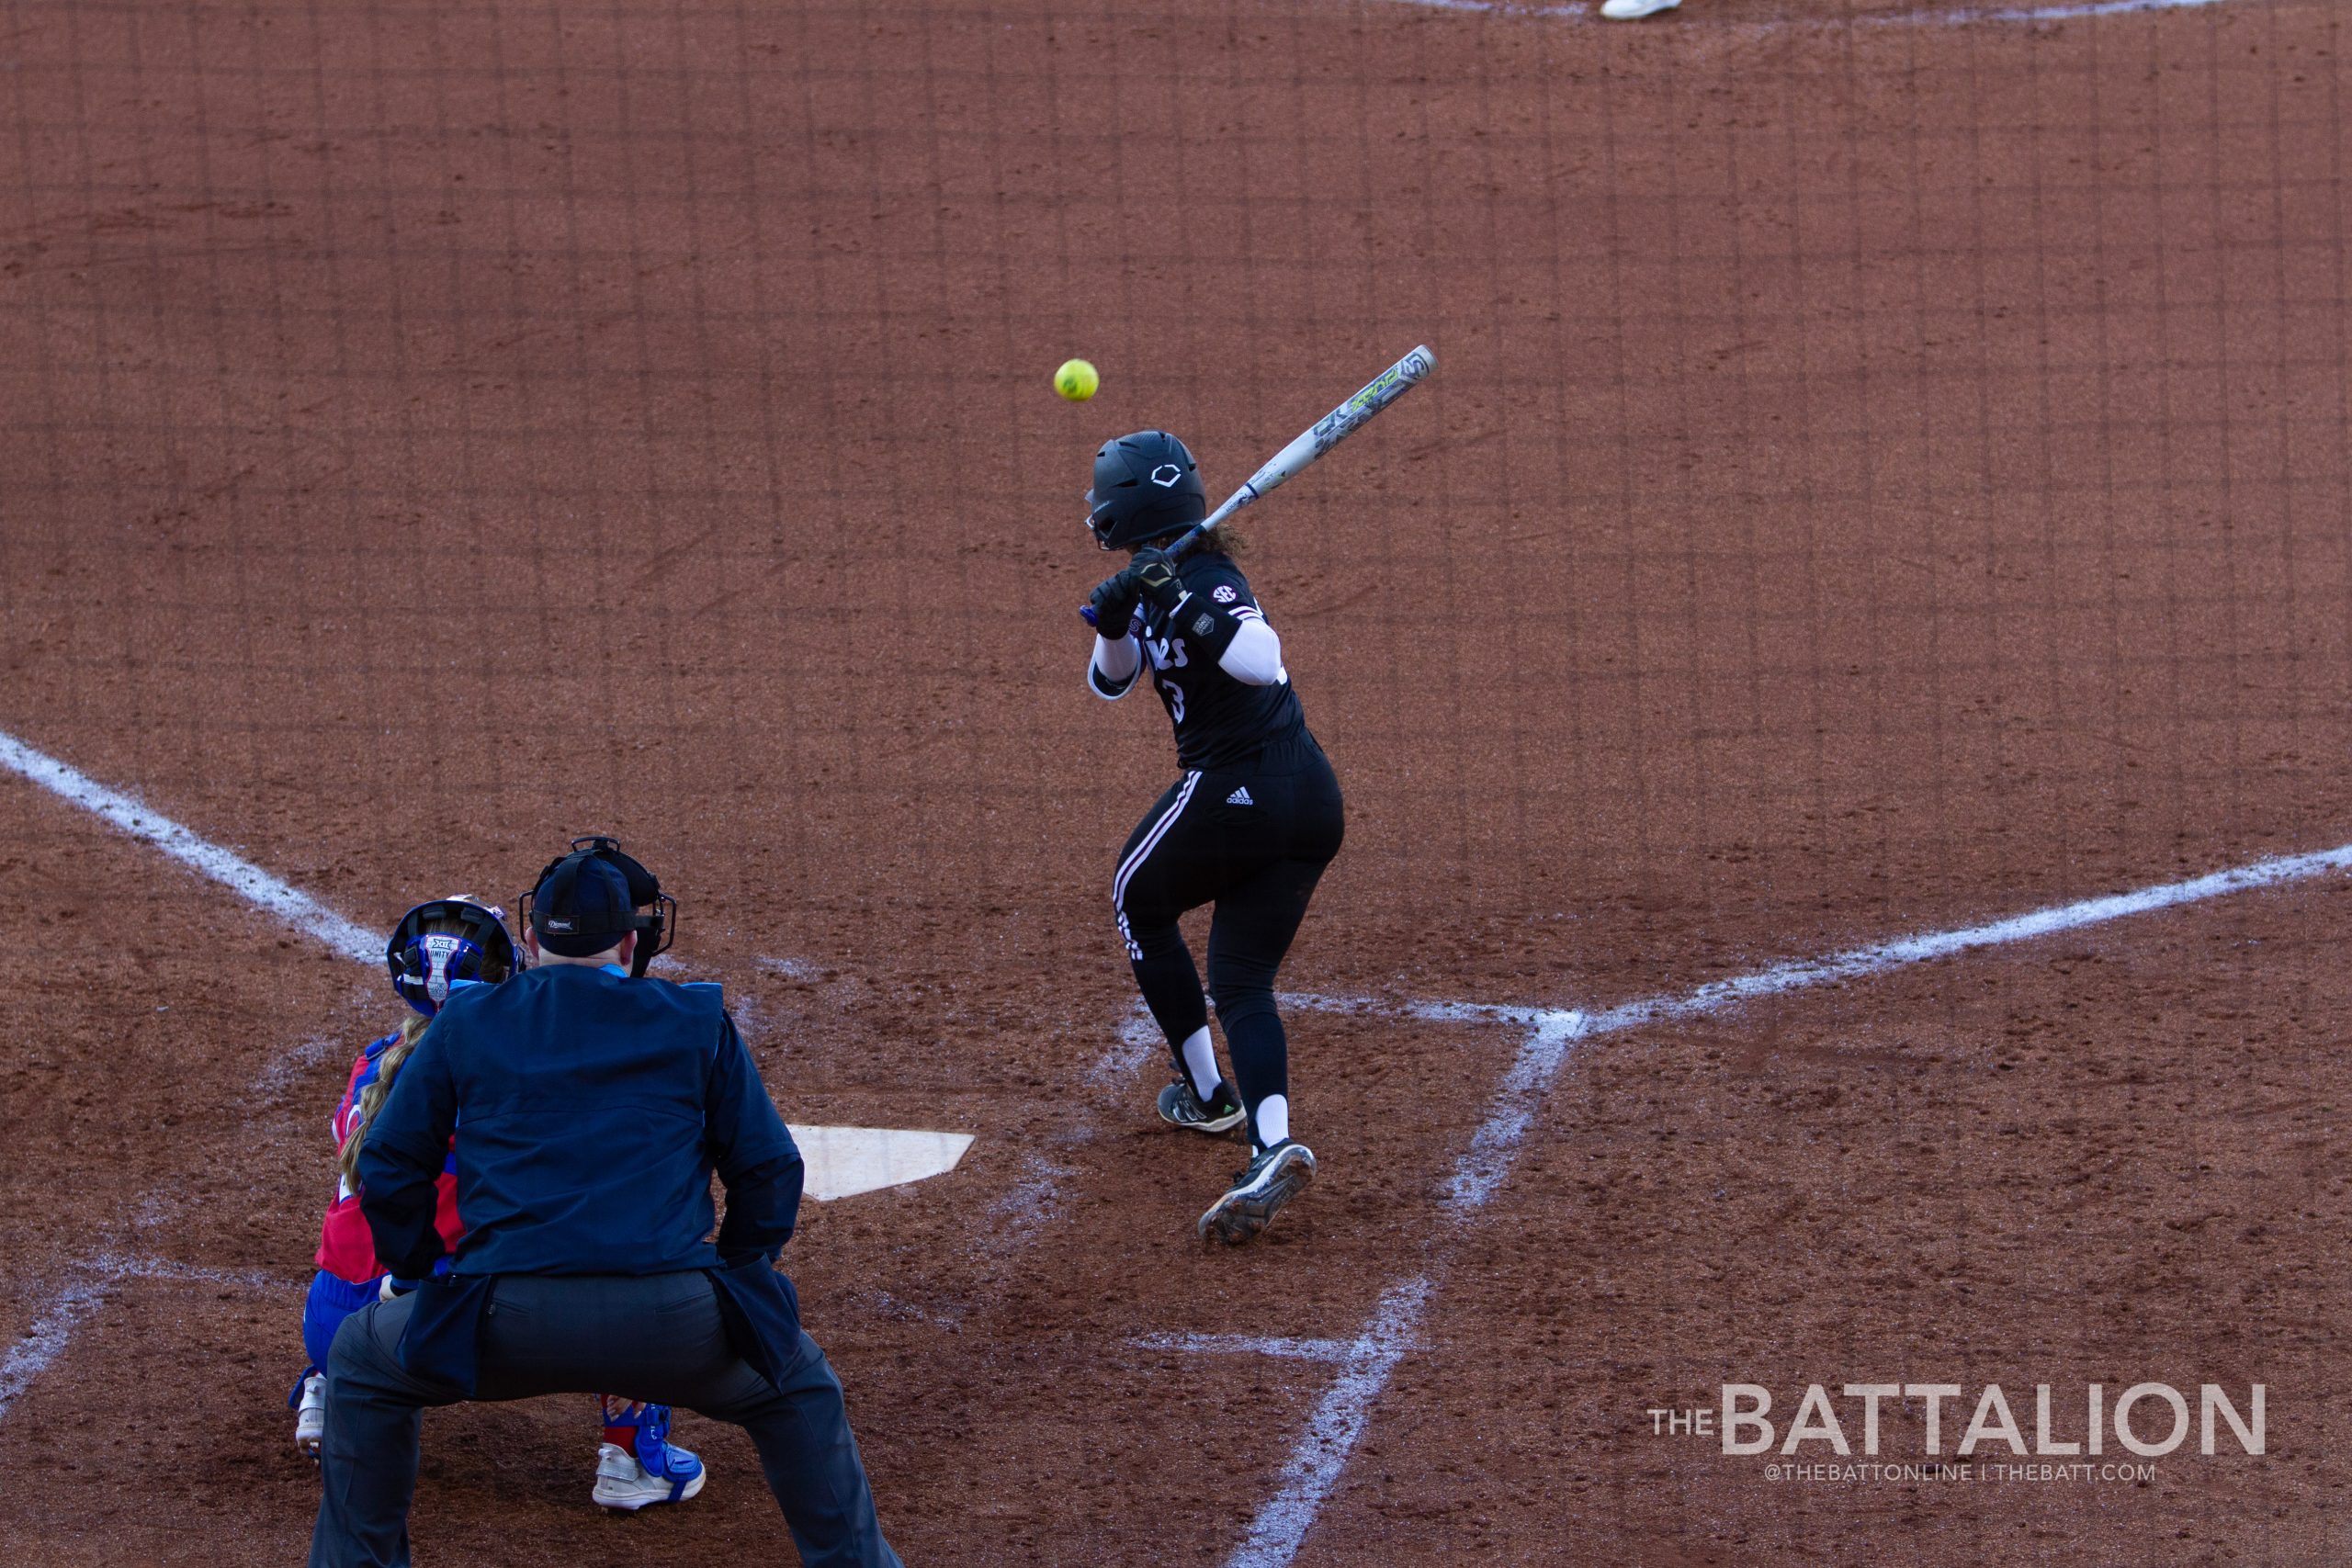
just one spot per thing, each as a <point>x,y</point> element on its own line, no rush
<point>1145,487</point>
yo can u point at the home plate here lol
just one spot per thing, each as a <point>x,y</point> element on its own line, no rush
<point>845,1161</point>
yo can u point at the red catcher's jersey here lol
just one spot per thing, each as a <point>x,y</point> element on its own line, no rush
<point>347,1247</point>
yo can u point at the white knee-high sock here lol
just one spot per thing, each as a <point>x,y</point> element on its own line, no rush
<point>1200,1063</point>
<point>1273,1119</point>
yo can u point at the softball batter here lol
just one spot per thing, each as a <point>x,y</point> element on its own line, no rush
<point>1250,826</point>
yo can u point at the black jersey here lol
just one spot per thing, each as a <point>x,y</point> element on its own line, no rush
<point>1220,722</point>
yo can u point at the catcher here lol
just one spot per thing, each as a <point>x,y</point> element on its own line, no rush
<point>438,949</point>
<point>588,1111</point>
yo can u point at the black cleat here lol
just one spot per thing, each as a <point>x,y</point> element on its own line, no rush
<point>1180,1107</point>
<point>1257,1195</point>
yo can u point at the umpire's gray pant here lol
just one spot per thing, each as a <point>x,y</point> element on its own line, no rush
<point>656,1337</point>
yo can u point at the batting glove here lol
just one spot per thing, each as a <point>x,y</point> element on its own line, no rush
<point>1114,603</point>
<point>1155,574</point>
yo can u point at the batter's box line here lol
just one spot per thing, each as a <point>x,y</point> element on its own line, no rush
<point>2028,16</point>
<point>93,1280</point>
<point>1321,1457</point>
<point>1280,1347</point>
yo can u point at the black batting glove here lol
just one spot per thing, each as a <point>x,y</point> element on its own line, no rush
<point>1155,573</point>
<point>1114,603</point>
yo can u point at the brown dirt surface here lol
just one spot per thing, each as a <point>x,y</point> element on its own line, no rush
<point>1882,474</point>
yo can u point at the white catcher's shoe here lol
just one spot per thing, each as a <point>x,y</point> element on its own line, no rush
<point>1635,10</point>
<point>625,1484</point>
<point>310,1415</point>
<point>659,1471</point>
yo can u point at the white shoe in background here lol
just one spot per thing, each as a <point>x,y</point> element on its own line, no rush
<point>310,1415</point>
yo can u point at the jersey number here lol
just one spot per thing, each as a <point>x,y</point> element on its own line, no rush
<point>1168,653</point>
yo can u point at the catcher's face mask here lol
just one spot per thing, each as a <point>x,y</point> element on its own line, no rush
<point>428,964</point>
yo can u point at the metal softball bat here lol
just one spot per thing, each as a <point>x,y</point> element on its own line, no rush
<point>1312,443</point>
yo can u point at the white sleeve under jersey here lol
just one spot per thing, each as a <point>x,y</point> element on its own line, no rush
<point>1254,657</point>
<point>1113,667</point>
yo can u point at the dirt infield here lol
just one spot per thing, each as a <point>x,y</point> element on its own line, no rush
<point>1884,474</point>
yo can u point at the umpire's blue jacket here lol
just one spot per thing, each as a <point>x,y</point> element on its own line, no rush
<point>594,1109</point>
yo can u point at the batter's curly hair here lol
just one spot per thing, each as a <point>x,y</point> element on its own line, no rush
<point>1224,539</point>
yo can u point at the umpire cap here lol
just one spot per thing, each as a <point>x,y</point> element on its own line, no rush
<point>581,907</point>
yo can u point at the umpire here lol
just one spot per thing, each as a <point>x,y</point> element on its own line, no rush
<point>590,1110</point>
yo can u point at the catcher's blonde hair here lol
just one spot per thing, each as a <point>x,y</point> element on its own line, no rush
<point>371,1099</point>
<point>388,1066</point>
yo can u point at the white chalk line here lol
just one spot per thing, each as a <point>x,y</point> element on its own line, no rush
<point>951,1319</point>
<point>1426,1011</point>
<point>52,1326</point>
<point>1317,1461</point>
<point>1322,1452</point>
<point>2067,13</point>
<point>2073,11</point>
<point>248,880</point>
<point>1280,1347</point>
<point>46,1339</point>
<point>1033,1203</point>
<point>1138,1037</point>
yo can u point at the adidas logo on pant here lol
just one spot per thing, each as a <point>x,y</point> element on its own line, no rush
<point>1241,797</point>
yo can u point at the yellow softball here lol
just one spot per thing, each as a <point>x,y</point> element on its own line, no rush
<point>1077,380</point>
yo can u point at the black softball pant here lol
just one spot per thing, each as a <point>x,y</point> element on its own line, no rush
<point>658,1335</point>
<point>1254,843</point>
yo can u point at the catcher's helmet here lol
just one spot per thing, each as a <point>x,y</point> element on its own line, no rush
<point>656,930</point>
<point>1145,487</point>
<point>448,942</point>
